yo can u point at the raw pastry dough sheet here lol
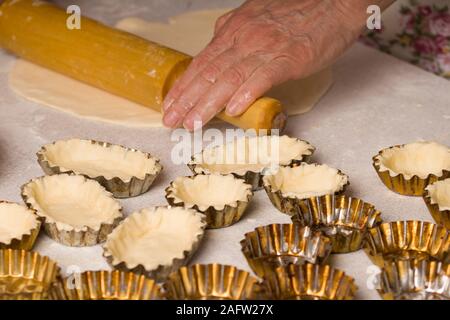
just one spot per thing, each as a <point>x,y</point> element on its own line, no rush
<point>188,33</point>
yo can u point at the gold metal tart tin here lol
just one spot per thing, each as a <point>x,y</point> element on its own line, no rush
<point>75,238</point>
<point>25,275</point>
<point>399,184</point>
<point>404,240</point>
<point>118,187</point>
<point>440,216</point>
<point>26,242</point>
<point>415,280</point>
<point>215,219</point>
<point>309,282</point>
<point>106,285</point>
<point>344,219</point>
<point>278,245</point>
<point>289,205</point>
<point>211,282</point>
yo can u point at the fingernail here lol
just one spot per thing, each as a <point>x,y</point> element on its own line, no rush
<point>171,120</point>
<point>232,110</point>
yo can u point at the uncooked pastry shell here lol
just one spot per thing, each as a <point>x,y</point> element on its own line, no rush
<point>407,169</point>
<point>122,171</point>
<point>180,233</point>
<point>290,185</point>
<point>19,226</point>
<point>252,163</point>
<point>61,199</point>
<point>205,193</point>
<point>437,199</point>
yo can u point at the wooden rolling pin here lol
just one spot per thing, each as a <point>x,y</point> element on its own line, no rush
<point>115,61</point>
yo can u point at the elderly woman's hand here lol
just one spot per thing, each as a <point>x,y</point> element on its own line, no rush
<point>259,45</point>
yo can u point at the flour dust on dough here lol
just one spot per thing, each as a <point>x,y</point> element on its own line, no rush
<point>189,33</point>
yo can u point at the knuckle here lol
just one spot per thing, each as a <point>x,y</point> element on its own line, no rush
<point>210,73</point>
<point>235,76</point>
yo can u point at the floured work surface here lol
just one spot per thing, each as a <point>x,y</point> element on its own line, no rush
<point>376,101</point>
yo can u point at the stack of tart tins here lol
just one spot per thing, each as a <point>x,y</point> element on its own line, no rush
<point>26,275</point>
<point>414,256</point>
<point>105,285</point>
<point>314,196</point>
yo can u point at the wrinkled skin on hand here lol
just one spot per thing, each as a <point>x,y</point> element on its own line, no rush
<point>257,46</point>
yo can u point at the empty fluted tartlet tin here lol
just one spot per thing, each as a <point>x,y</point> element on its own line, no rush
<point>345,220</point>
<point>276,245</point>
<point>247,157</point>
<point>155,241</point>
<point>68,204</point>
<point>309,282</point>
<point>20,226</point>
<point>205,193</point>
<point>291,185</point>
<point>437,199</point>
<point>404,240</point>
<point>211,282</point>
<point>415,280</point>
<point>400,167</point>
<point>105,285</point>
<point>25,275</point>
<point>123,171</point>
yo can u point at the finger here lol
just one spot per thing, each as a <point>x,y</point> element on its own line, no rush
<point>174,115</point>
<point>216,47</point>
<point>216,98</point>
<point>262,80</point>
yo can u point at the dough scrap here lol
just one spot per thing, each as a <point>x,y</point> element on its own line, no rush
<point>189,33</point>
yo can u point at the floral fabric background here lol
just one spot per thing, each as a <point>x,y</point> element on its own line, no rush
<point>417,31</point>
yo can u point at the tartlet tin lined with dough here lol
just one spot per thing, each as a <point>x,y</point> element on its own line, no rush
<point>212,282</point>
<point>25,241</point>
<point>405,240</point>
<point>216,217</point>
<point>415,280</point>
<point>26,275</point>
<point>254,178</point>
<point>344,219</point>
<point>119,187</point>
<point>397,182</point>
<point>105,285</point>
<point>161,272</point>
<point>440,216</point>
<point>75,237</point>
<point>309,282</point>
<point>288,204</point>
<point>276,245</point>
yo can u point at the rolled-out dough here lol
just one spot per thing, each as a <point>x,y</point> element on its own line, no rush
<point>189,33</point>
